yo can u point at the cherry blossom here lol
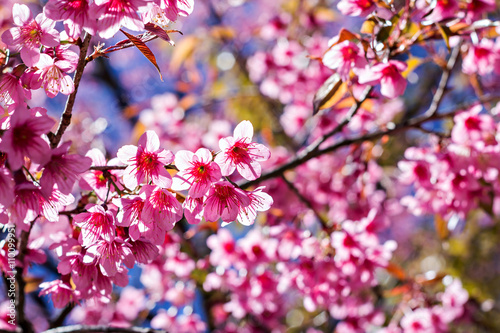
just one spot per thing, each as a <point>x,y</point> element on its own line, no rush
<point>196,172</point>
<point>224,201</point>
<point>239,153</point>
<point>30,33</point>
<point>146,162</point>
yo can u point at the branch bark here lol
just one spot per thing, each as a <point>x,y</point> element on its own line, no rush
<point>70,102</point>
<point>21,320</point>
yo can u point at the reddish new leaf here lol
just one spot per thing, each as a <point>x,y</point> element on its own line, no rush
<point>144,50</point>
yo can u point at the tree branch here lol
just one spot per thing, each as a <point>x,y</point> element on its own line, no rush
<point>309,154</point>
<point>62,316</point>
<point>101,329</point>
<point>66,116</point>
<point>21,319</point>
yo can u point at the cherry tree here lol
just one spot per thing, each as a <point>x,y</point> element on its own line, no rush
<point>249,166</point>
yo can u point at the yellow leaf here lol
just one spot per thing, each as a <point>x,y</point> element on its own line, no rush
<point>182,51</point>
<point>441,226</point>
<point>412,63</point>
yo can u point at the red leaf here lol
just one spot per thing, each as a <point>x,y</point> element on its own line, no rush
<point>156,30</point>
<point>144,50</point>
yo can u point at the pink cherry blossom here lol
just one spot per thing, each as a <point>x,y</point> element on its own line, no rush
<point>94,180</point>
<point>356,7</point>
<point>193,209</point>
<point>113,14</point>
<point>174,8</point>
<point>392,83</point>
<point>23,137</point>
<point>443,9</point>
<point>63,169</point>
<point>224,201</point>
<point>161,211</point>
<point>110,255</point>
<point>53,75</point>
<point>60,291</point>
<point>196,172</point>
<point>76,15</point>
<point>96,223</point>
<point>238,152</point>
<point>12,91</point>
<point>146,162</point>
<point>6,188</point>
<point>482,59</point>
<point>30,34</point>
<point>224,250</point>
<point>259,202</point>
<point>343,57</point>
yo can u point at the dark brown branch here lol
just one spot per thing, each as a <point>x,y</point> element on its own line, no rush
<point>313,150</point>
<point>21,320</point>
<point>102,329</point>
<point>62,316</point>
<point>307,154</point>
<point>66,116</point>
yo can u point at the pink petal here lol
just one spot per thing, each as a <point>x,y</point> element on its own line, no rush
<point>150,141</point>
<point>21,14</point>
<point>183,159</point>
<point>126,153</point>
<point>243,130</point>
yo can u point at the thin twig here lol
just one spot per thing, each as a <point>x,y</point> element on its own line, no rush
<point>309,154</point>
<point>295,190</point>
<point>66,116</point>
<point>62,316</point>
<point>443,82</point>
<point>102,329</point>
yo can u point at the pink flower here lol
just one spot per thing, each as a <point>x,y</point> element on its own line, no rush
<point>161,208</point>
<point>94,180</point>
<point>53,76</point>
<point>482,59</point>
<point>113,14</point>
<point>60,292</point>
<point>23,138</point>
<point>343,57</point>
<point>356,7</point>
<point>63,169</point>
<point>174,8</point>
<point>259,202</point>
<point>75,13</point>
<point>442,10</point>
<point>196,172</point>
<point>110,256</point>
<point>224,250</point>
<point>30,34</point>
<point>392,83</point>
<point>144,251</point>
<point>95,224</point>
<point>12,91</point>
<point>224,201</point>
<point>193,210</point>
<point>240,153</point>
<point>146,162</point>
<point>6,188</point>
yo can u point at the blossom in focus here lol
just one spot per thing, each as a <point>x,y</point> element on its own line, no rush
<point>76,15</point>
<point>238,152</point>
<point>146,162</point>
<point>94,180</point>
<point>259,202</point>
<point>30,35</point>
<point>196,172</point>
<point>53,75</point>
<point>96,223</point>
<point>114,14</point>
<point>224,201</point>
